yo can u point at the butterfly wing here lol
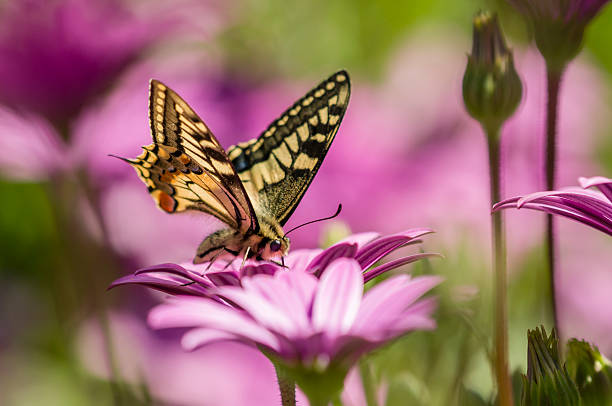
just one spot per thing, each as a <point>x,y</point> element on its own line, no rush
<point>186,168</point>
<point>280,164</point>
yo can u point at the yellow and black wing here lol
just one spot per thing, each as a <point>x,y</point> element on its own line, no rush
<point>279,165</point>
<point>186,168</point>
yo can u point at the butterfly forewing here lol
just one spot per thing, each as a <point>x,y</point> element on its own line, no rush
<point>280,164</point>
<point>186,168</point>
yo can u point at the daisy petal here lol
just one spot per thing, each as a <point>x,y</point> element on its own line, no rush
<point>199,337</point>
<point>379,270</point>
<point>338,296</point>
<point>263,311</point>
<point>386,301</point>
<point>201,312</point>
<point>587,207</point>
<point>380,247</point>
<point>322,261</point>
<point>603,184</point>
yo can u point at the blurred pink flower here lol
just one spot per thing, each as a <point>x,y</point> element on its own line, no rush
<point>30,147</point>
<point>316,327</point>
<point>202,280</point>
<point>57,56</point>
<point>592,209</point>
<point>60,57</point>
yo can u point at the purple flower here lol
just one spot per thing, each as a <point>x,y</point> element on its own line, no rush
<point>558,26</point>
<point>314,328</point>
<point>55,57</point>
<point>202,280</point>
<point>302,298</point>
<point>590,208</point>
<point>562,11</point>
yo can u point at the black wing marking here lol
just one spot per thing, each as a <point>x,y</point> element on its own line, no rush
<point>186,167</point>
<point>280,164</point>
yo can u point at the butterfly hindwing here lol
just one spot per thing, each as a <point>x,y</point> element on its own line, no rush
<point>186,167</point>
<point>280,164</point>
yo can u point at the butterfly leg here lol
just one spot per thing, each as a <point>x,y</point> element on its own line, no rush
<point>222,250</point>
<point>281,264</point>
<point>246,254</point>
<point>214,258</point>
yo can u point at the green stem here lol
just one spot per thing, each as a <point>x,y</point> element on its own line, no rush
<point>500,276</point>
<point>336,401</point>
<point>94,257</point>
<point>286,385</point>
<point>553,77</point>
<point>367,380</point>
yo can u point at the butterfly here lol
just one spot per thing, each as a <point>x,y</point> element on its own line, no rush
<point>256,185</point>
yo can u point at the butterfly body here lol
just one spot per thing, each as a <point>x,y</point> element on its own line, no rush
<point>256,185</point>
<point>266,244</point>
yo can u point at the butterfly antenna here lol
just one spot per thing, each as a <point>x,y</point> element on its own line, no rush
<point>317,220</point>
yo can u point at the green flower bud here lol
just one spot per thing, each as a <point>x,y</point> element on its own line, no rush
<point>547,381</point>
<point>491,87</point>
<point>591,371</point>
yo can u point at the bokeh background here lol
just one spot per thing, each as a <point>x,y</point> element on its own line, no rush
<point>73,88</point>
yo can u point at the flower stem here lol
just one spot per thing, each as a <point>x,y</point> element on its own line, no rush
<point>553,78</point>
<point>286,385</point>
<point>500,275</point>
<point>367,380</point>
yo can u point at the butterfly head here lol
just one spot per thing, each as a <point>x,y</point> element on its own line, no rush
<point>272,240</point>
<point>274,248</point>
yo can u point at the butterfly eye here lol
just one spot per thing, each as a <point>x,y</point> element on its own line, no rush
<point>275,246</point>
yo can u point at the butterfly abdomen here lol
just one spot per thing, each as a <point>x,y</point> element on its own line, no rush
<point>221,243</point>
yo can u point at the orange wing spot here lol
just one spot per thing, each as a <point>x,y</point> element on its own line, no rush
<point>167,177</point>
<point>184,159</point>
<point>166,202</point>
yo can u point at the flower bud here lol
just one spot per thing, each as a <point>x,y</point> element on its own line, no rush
<point>591,371</point>
<point>491,87</point>
<point>558,26</point>
<point>547,381</point>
